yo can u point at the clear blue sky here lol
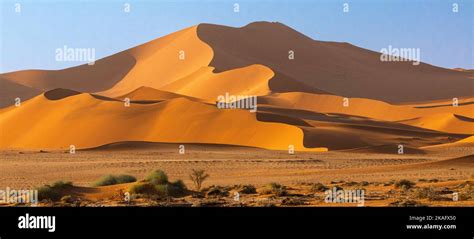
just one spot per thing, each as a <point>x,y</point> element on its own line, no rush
<point>29,38</point>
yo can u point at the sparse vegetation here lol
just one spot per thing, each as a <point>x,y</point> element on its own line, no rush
<point>428,193</point>
<point>407,203</point>
<point>198,176</point>
<point>247,189</point>
<point>157,177</point>
<point>217,191</point>
<point>114,179</point>
<point>54,191</point>
<point>142,188</point>
<point>404,184</point>
<point>157,184</point>
<point>318,187</point>
<point>274,188</point>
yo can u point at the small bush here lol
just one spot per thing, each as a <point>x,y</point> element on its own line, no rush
<point>318,187</point>
<point>198,177</point>
<point>157,184</point>
<point>61,184</point>
<point>274,188</point>
<point>428,193</point>
<point>53,192</point>
<point>247,189</point>
<point>404,184</point>
<point>113,179</point>
<point>217,191</point>
<point>157,177</point>
<point>177,188</point>
<point>162,190</point>
<point>48,193</point>
<point>142,188</point>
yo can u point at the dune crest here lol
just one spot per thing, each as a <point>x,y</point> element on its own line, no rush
<point>204,84</point>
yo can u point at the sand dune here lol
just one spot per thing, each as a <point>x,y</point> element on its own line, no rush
<point>9,91</point>
<point>406,114</point>
<point>53,124</point>
<point>445,122</point>
<point>158,62</point>
<point>104,74</point>
<point>247,81</point>
<point>174,81</point>
<point>338,68</point>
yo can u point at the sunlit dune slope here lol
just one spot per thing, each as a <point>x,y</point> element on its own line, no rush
<point>247,81</point>
<point>445,122</point>
<point>163,61</point>
<point>153,64</point>
<point>85,121</point>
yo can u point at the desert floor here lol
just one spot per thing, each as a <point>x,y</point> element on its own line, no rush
<point>447,170</point>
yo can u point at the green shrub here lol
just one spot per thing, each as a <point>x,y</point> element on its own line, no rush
<point>48,193</point>
<point>142,188</point>
<point>274,188</point>
<point>53,192</point>
<point>247,189</point>
<point>157,177</point>
<point>217,191</point>
<point>162,190</point>
<point>404,184</point>
<point>157,184</point>
<point>114,179</point>
<point>61,184</point>
<point>177,188</point>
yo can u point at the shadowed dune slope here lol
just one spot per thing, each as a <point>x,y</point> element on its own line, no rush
<point>104,74</point>
<point>9,91</point>
<point>180,120</point>
<point>338,68</point>
<point>437,118</point>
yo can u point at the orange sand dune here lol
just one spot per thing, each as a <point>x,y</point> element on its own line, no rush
<point>154,64</point>
<point>337,68</point>
<point>150,94</point>
<point>85,78</point>
<point>247,81</point>
<point>158,62</point>
<point>466,143</point>
<point>445,122</point>
<point>378,110</point>
<point>317,67</point>
<point>85,121</point>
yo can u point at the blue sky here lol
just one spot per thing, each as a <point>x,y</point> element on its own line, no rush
<point>29,38</point>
